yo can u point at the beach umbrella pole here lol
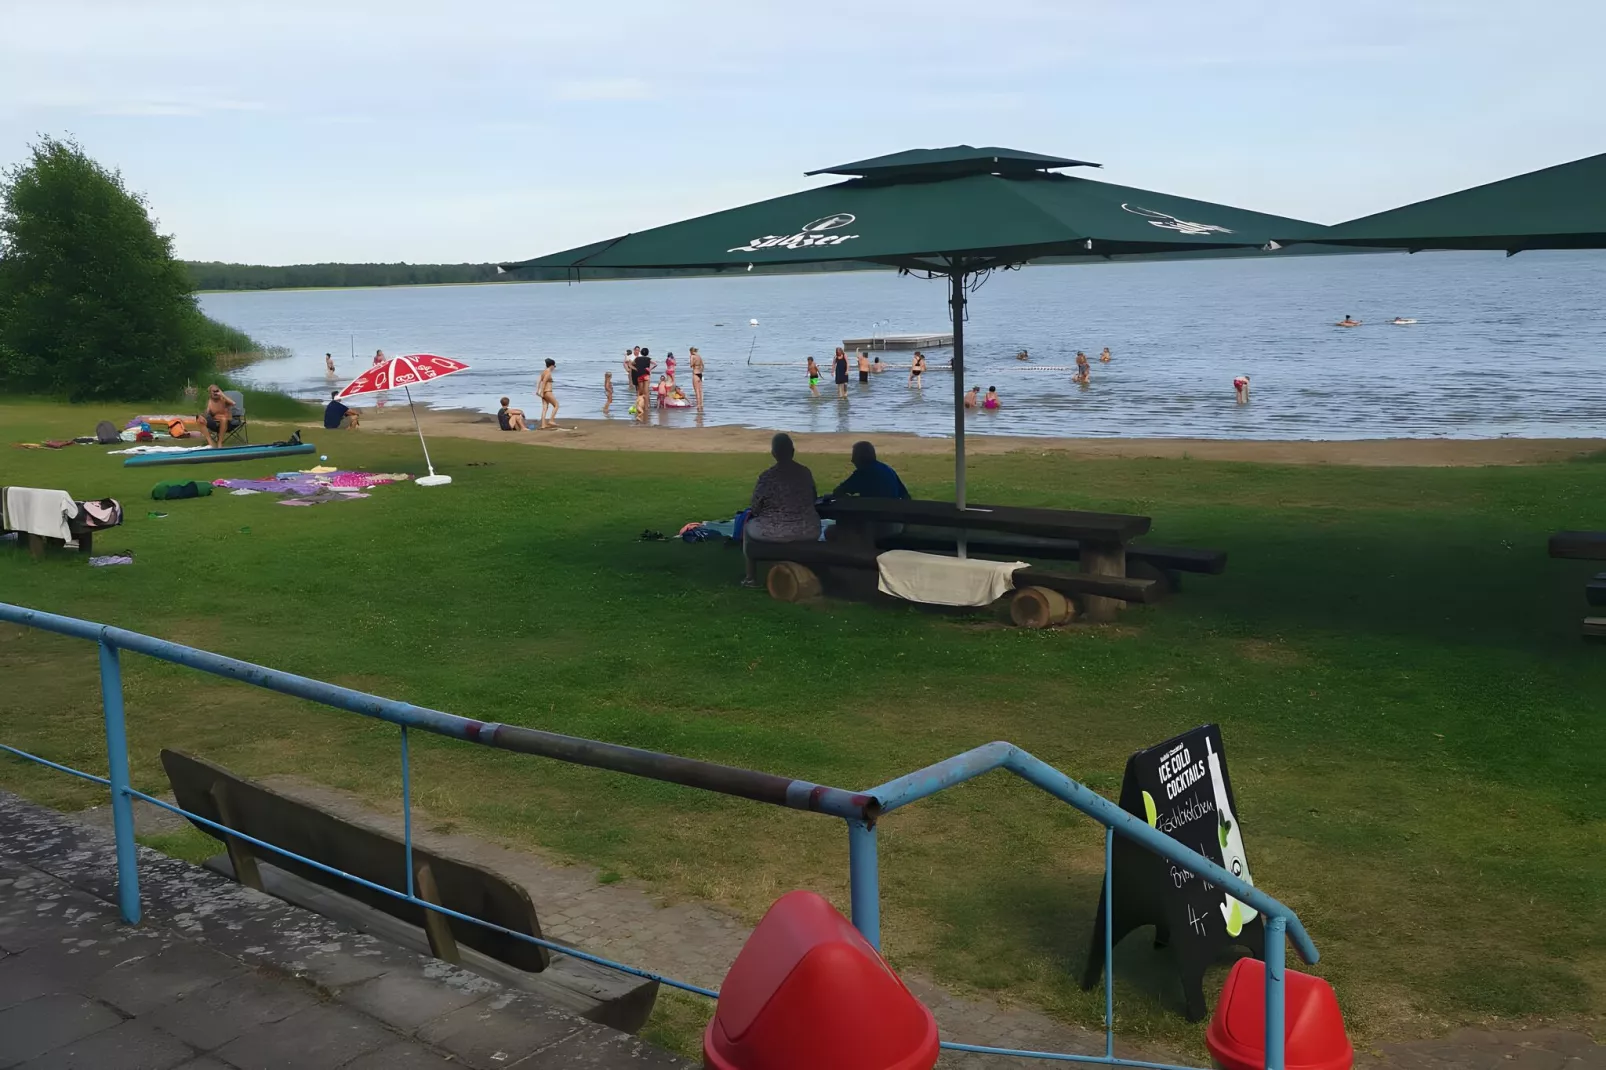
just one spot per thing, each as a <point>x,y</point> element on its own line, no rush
<point>956,302</point>
<point>431,480</point>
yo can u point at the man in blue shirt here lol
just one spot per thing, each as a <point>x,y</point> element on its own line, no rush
<point>871,478</point>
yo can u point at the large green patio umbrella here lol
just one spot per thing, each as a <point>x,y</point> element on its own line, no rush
<point>956,212</point>
<point>1561,207</point>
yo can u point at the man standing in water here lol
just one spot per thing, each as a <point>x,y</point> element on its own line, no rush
<point>1084,370</point>
<point>329,364</point>
<point>697,376</point>
<point>864,367</point>
<point>543,389</point>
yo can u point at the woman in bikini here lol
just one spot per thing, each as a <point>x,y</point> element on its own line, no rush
<point>697,376</point>
<point>917,368</point>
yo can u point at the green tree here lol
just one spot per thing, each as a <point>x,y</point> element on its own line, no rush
<point>92,302</point>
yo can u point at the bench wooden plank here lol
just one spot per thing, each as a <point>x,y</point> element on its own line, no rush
<point>1595,627</point>
<point>1120,588</point>
<point>1005,544</point>
<point>1579,545</point>
<point>1054,523</point>
<point>1595,590</point>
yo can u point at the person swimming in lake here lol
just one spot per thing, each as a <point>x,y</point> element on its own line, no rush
<point>1348,321</point>
<point>1083,368</point>
<point>814,378</point>
<point>991,402</point>
<point>1240,389</point>
<point>971,398</point>
<point>1104,357</point>
<point>876,367</point>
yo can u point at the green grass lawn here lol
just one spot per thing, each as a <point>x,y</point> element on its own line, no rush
<point>1414,728</point>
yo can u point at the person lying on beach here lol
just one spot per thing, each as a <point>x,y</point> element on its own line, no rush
<point>1347,321</point>
<point>338,414</point>
<point>970,397</point>
<point>871,478</point>
<point>219,416</point>
<point>510,419</point>
<point>782,509</point>
<point>991,401</point>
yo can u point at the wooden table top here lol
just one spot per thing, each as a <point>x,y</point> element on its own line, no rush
<point>1118,528</point>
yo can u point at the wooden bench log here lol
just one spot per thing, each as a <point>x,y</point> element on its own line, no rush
<point>1579,545</point>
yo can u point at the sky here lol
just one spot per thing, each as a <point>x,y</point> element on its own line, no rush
<point>287,131</point>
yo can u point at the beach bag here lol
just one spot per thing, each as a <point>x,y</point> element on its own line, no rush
<point>106,433</point>
<point>176,429</point>
<point>103,513</point>
<point>172,489</point>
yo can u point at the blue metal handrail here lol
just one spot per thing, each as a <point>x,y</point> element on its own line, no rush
<point>860,810</point>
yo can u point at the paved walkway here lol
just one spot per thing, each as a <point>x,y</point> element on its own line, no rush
<point>219,976</point>
<point>697,942</point>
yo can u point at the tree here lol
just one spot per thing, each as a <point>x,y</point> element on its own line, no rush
<point>92,302</point>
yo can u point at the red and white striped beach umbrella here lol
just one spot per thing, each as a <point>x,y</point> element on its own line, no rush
<point>399,373</point>
<point>406,373</point>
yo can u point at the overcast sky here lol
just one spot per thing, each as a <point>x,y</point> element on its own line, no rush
<point>280,131</point>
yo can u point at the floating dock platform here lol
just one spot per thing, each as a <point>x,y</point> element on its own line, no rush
<point>883,342</point>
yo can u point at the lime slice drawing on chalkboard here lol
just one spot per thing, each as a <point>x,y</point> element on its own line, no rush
<point>1149,811</point>
<point>1221,830</point>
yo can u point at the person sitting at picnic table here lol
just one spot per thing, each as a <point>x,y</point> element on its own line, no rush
<point>219,416</point>
<point>510,419</point>
<point>782,509</point>
<point>871,478</point>
<point>338,414</point>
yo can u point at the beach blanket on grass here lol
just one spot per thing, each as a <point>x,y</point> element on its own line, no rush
<point>309,483</point>
<point>944,581</point>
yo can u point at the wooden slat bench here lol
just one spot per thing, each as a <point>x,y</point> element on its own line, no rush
<point>602,995</point>
<point>1579,545</point>
<point>1003,544</point>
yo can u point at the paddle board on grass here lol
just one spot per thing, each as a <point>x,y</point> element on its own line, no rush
<point>205,455</point>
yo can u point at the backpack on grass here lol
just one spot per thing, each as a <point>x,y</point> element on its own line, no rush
<point>171,489</point>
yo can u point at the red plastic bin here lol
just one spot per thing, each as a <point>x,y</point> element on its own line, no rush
<point>1313,1026</point>
<point>808,992</point>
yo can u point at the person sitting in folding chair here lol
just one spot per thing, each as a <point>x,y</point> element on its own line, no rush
<point>220,416</point>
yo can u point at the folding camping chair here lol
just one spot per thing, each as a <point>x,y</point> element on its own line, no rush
<point>237,428</point>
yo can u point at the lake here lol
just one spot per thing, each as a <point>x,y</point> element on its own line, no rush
<point>1501,347</point>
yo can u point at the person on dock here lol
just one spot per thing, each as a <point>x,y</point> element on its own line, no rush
<point>782,509</point>
<point>864,367</point>
<point>1348,321</point>
<point>972,397</point>
<point>510,419</point>
<point>814,378</point>
<point>697,376</point>
<point>1240,389</point>
<point>991,402</point>
<point>917,368</point>
<point>839,373</point>
<point>543,388</point>
<point>607,391</point>
<point>1104,357</point>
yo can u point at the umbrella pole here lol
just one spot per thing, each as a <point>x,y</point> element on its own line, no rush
<point>431,480</point>
<point>956,301</point>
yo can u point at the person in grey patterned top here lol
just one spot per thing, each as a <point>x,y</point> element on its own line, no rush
<point>783,503</point>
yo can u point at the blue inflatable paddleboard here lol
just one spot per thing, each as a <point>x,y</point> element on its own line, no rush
<point>204,455</point>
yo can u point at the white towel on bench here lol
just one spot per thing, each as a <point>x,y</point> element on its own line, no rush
<point>944,581</point>
<point>39,512</point>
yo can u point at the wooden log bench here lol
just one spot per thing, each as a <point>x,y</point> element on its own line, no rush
<point>609,997</point>
<point>1579,545</point>
<point>796,569</point>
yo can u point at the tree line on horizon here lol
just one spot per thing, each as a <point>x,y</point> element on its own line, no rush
<point>216,275</point>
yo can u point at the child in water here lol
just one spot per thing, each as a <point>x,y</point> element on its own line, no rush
<point>814,378</point>
<point>1240,389</point>
<point>990,402</point>
<point>607,390</point>
<point>970,397</point>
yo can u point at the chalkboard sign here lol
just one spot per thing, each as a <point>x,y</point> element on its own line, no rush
<point>1180,787</point>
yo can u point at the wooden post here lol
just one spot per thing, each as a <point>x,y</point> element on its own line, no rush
<point>1102,559</point>
<point>240,856</point>
<point>442,944</point>
<point>36,546</point>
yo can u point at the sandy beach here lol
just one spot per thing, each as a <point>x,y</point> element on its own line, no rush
<point>623,433</point>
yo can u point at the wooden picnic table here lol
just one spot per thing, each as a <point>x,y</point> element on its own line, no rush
<point>1102,537</point>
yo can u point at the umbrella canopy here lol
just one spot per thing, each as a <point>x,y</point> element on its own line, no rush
<point>407,372</point>
<point>952,212</point>
<point>1561,207</point>
<point>401,372</point>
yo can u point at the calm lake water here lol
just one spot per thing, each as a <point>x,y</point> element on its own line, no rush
<point>1501,347</point>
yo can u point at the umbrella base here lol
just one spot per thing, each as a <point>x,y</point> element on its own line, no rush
<point>432,480</point>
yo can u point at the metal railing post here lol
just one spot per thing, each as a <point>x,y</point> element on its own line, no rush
<point>1109,941</point>
<point>407,810</point>
<point>111,703</point>
<point>864,877</point>
<point>1276,931</point>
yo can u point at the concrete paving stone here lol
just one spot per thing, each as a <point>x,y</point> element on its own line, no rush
<point>405,1002</point>
<point>403,1055</point>
<point>138,985</point>
<point>318,1038</point>
<point>130,1046</point>
<point>21,981</point>
<point>599,1048</point>
<point>500,1031</point>
<point>217,1014</point>
<point>205,1062</point>
<point>30,1029</point>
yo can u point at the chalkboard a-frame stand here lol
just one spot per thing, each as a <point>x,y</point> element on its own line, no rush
<point>1182,788</point>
